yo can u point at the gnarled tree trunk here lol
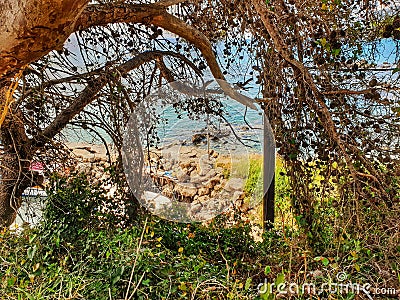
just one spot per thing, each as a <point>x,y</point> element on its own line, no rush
<point>16,154</point>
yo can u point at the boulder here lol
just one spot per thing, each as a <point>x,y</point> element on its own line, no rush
<point>182,176</point>
<point>203,191</point>
<point>234,184</point>
<point>195,208</point>
<point>212,182</point>
<point>196,179</point>
<point>198,138</point>
<point>203,198</point>
<point>238,195</point>
<point>186,189</point>
<point>168,191</point>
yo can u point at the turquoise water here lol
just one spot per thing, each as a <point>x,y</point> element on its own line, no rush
<point>182,129</point>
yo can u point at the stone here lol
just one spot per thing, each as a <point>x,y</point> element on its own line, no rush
<point>195,208</point>
<point>203,198</point>
<point>198,138</point>
<point>196,179</point>
<point>167,166</point>
<point>168,191</point>
<point>212,173</point>
<point>205,165</point>
<point>203,191</point>
<point>182,176</point>
<point>218,187</point>
<point>156,201</point>
<point>212,182</point>
<point>186,189</point>
<point>185,164</point>
<point>238,195</point>
<point>234,184</point>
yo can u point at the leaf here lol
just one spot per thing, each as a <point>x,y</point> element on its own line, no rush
<point>247,284</point>
<point>357,267</point>
<point>11,281</point>
<point>280,279</point>
<point>267,270</point>
<point>182,286</point>
<point>146,282</point>
<point>115,279</point>
<point>36,267</point>
<point>32,238</point>
<point>31,252</point>
<point>325,261</point>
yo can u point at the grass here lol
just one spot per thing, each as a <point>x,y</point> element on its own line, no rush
<point>78,254</point>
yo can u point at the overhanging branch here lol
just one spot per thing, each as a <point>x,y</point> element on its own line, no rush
<point>89,94</point>
<point>100,15</point>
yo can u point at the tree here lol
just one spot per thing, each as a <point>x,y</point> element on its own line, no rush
<point>333,105</point>
<point>315,62</point>
<point>37,112</point>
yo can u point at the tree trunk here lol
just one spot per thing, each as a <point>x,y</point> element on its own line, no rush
<point>16,154</point>
<point>32,28</point>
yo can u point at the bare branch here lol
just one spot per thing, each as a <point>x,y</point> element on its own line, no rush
<point>347,92</point>
<point>96,15</point>
<point>284,51</point>
<point>90,92</point>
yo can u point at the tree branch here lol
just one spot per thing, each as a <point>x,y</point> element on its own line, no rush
<point>90,92</point>
<point>284,51</point>
<point>96,15</point>
<point>167,3</point>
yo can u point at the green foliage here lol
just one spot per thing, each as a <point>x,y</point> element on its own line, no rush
<point>255,177</point>
<point>79,257</point>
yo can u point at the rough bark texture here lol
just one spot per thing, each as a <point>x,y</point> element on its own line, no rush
<point>14,165</point>
<point>30,29</point>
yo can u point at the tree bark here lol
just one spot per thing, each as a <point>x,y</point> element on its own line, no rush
<point>16,155</point>
<point>31,29</point>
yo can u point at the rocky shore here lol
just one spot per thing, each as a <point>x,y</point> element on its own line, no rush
<point>191,174</point>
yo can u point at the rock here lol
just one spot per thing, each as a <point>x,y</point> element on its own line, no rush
<point>234,184</point>
<point>156,201</point>
<point>168,191</point>
<point>198,138</point>
<point>212,182</point>
<point>218,187</point>
<point>203,191</point>
<point>238,195</point>
<point>205,165</point>
<point>186,189</point>
<point>196,179</point>
<point>182,176</point>
<point>167,166</point>
<point>185,164</point>
<point>195,208</point>
<point>203,198</point>
<point>212,173</point>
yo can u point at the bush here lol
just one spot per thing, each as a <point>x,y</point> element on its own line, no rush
<point>80,253</point>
